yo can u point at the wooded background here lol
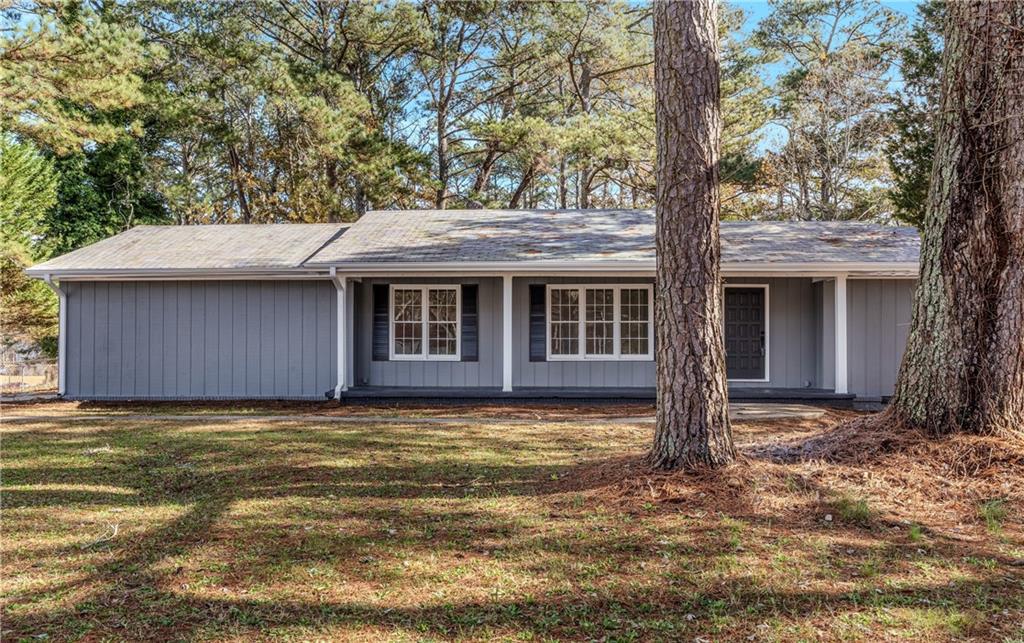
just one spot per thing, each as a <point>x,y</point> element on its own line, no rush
<point>164,111</point>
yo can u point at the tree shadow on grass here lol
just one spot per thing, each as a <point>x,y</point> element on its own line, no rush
<point>136,604</point>
<point>469,511</point>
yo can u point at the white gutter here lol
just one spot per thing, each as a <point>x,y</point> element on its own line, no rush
<point>187,274</point>
<point>62,335</point>
<point>500,266</point>
<point>639,268</point>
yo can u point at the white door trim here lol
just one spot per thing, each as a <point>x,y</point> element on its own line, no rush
<point>767,329</point>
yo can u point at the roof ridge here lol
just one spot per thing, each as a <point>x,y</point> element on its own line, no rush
<point>337,234</point>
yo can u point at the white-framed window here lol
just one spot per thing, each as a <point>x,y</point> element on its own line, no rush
<point>425,322</point>
<point>600,322</point>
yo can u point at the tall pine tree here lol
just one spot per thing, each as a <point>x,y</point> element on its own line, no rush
<point>692,425</point>
<point>963,369</point>
<point>64,67</point>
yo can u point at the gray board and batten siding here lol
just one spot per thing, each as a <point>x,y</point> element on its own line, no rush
<point>824,293</point>
<point>201,339</point>
<point>484,371</point>
<point>793,363</point>
<point>276,339</point>
<point>878,323</point>
<point>590,373</point>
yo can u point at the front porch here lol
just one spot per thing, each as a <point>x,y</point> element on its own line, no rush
<point>787,337</point>
<point>598,394</point>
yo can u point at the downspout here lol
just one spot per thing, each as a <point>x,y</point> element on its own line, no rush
<point>62,335</point>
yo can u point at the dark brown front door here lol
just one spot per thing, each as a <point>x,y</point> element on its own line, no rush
<point>744,333</point>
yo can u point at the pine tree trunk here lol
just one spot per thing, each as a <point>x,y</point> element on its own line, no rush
<point>963,369</point>
<point>483,175</point>
<point>360,201</point>
<point>692,426</point>
<point>441,198</point>
<point>563,188</point>
<point>524,183</point>
<point>236,177</point>
<point>333,213</point>
<point>584,177</point>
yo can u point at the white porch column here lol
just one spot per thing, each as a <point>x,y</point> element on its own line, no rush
<point>342,338</point>
<point>506,331</point>
<point>62,334</point>
<point>841,343</point>
<point>350,329</point>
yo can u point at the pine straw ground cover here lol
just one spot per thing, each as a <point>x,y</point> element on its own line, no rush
<point>127,530</point>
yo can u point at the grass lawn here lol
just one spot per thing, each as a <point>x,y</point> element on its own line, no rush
<point>315,530</point>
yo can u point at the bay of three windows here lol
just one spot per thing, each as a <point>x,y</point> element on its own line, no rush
<point>600,322</point>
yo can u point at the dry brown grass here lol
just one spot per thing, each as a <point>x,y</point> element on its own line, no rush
<point>524,410</point>
<point>309,530</point>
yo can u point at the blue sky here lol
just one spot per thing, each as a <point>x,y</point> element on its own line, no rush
<point>755,11</point>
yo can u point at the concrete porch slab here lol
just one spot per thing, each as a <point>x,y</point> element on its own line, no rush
<point>749,411</point>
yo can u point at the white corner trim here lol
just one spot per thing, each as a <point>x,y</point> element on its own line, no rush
<point>62,333</point>
<point>767,329</point>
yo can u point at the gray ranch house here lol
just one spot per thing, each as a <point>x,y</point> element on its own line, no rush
<point>469,303</point>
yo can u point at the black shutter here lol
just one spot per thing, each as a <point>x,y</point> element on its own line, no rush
<point>538,324</point>
<point>470,324</point>
<point>380,323</point>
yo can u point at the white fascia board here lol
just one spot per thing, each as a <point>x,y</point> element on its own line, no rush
<point>901,270</point>
<point>197,274</point>
<point>627,268</point>
<point>497,267</point>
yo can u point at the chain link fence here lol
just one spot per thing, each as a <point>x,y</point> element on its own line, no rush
<point>28,376</point>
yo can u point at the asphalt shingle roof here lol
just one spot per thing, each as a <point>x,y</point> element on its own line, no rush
<point>468,236</point>
<point>472,236</point>
<point>188,248</point>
